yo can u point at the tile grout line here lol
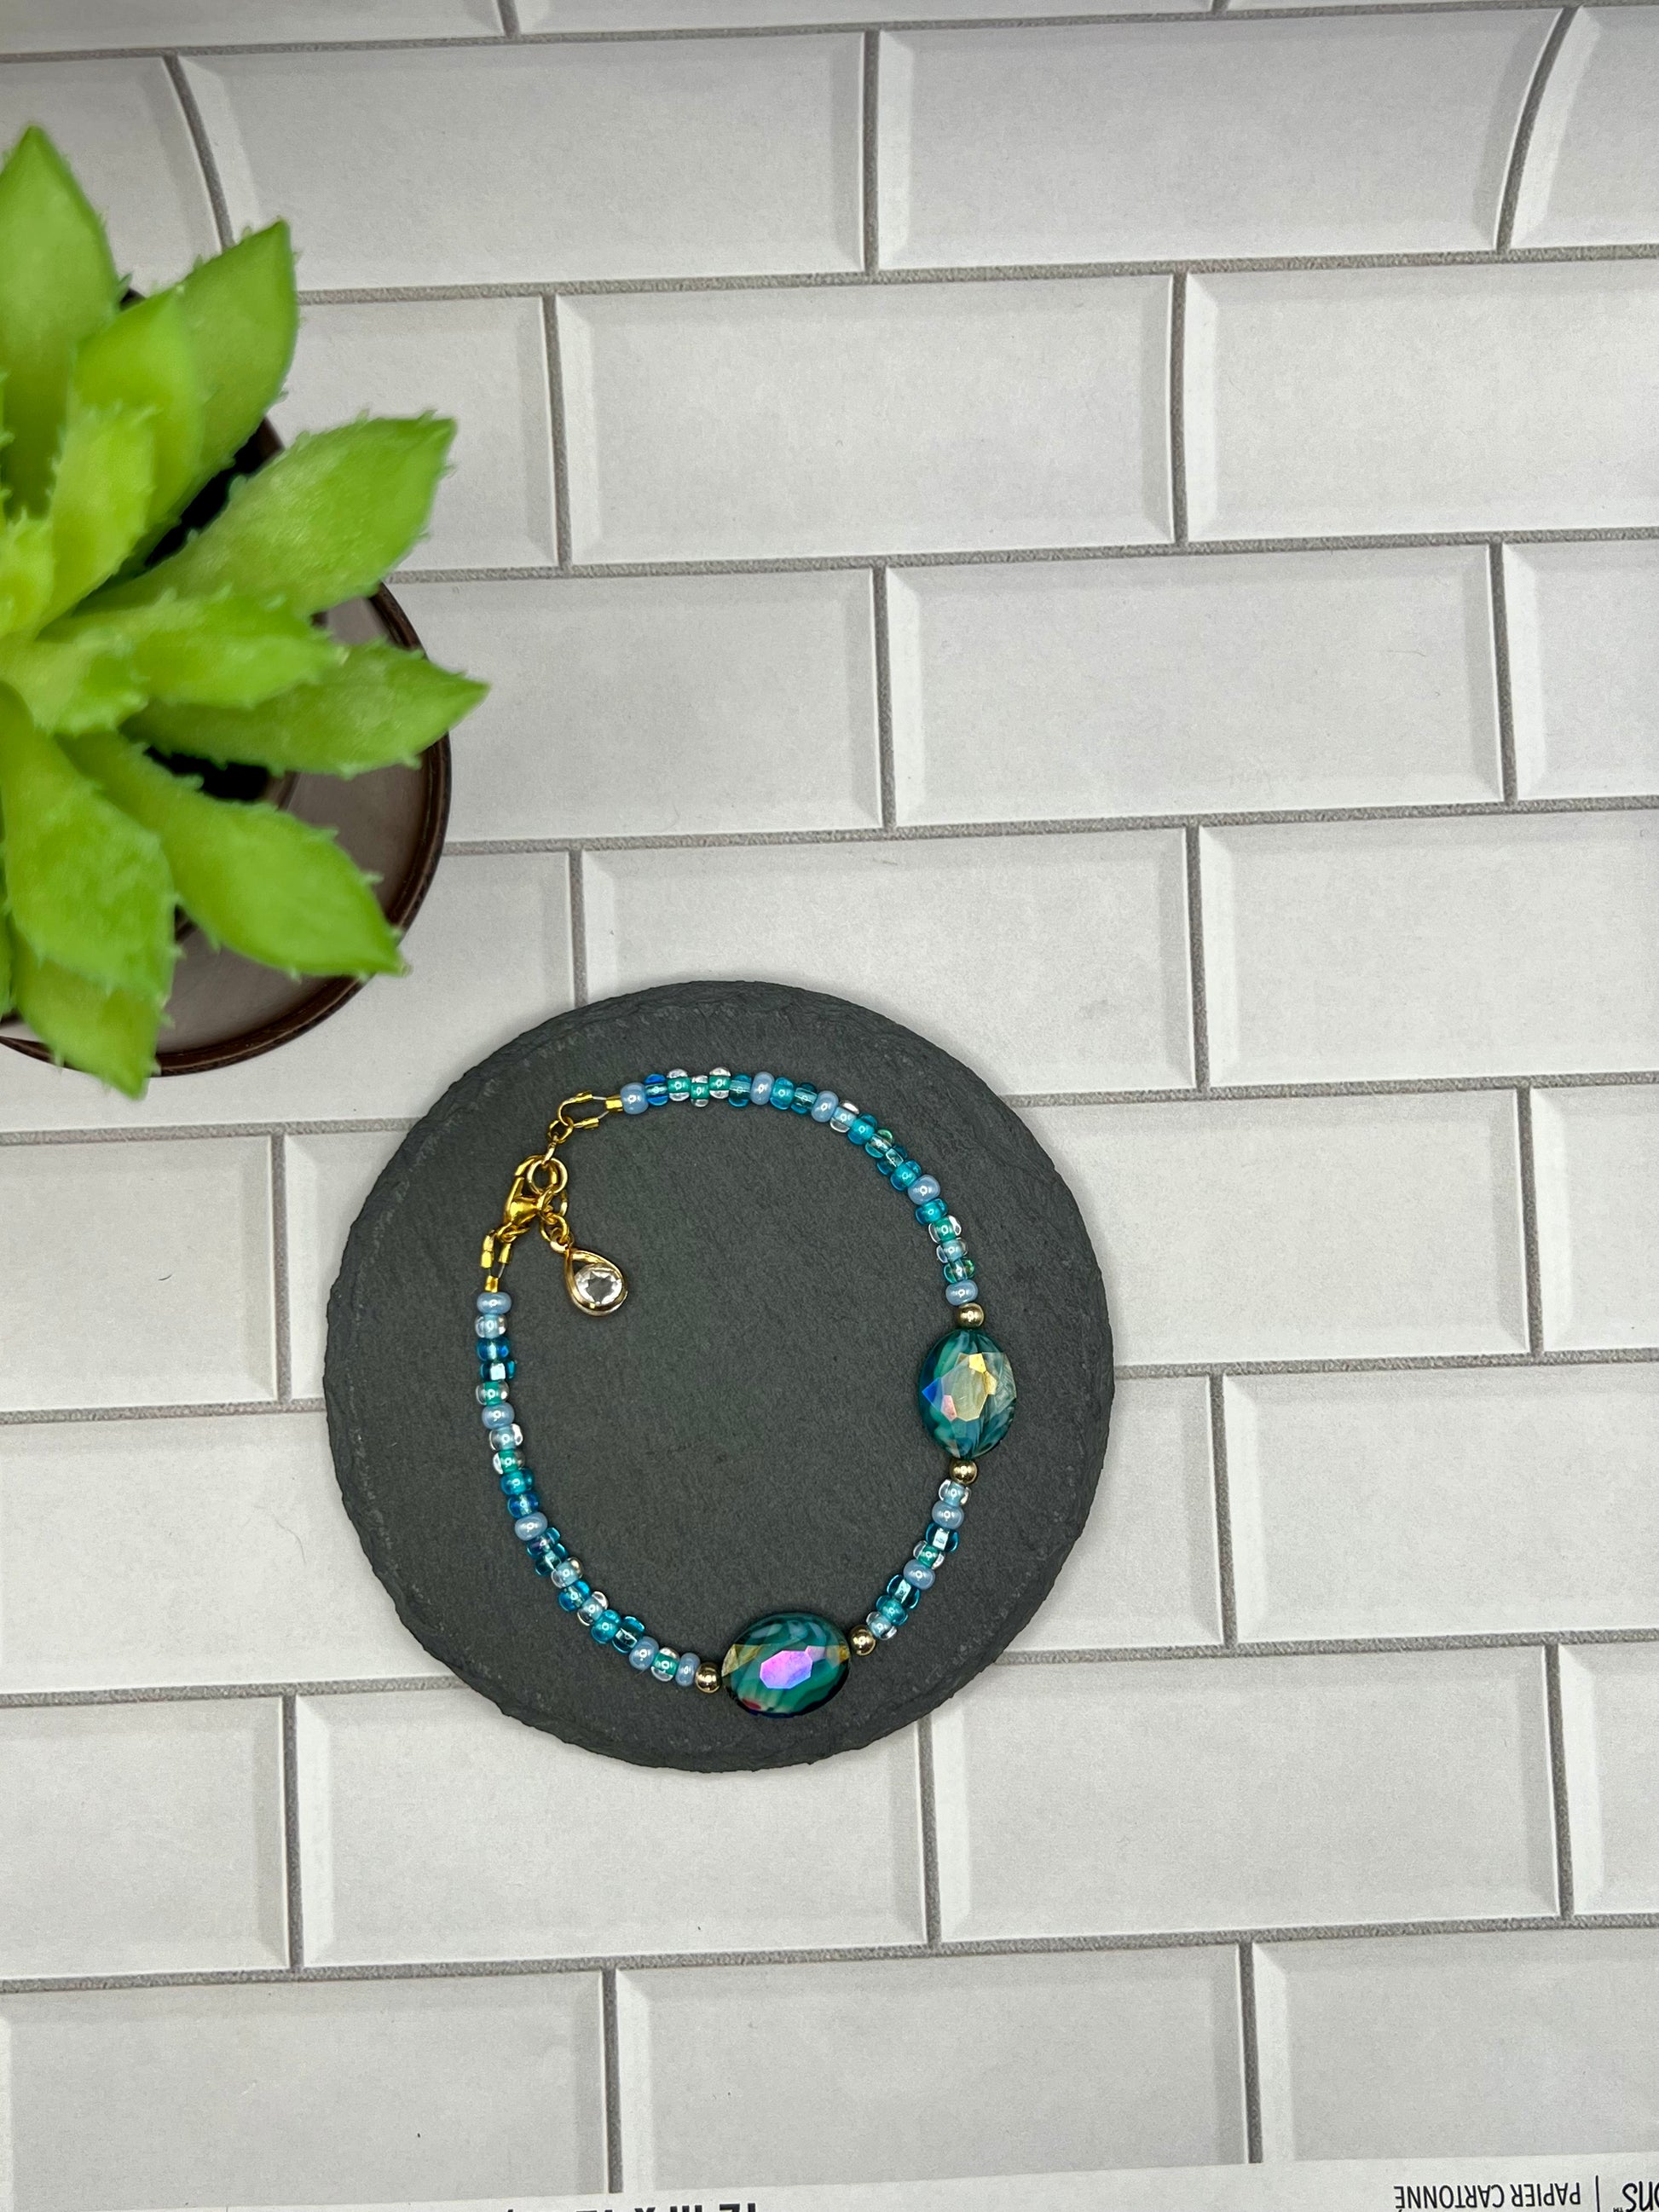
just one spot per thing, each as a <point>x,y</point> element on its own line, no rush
<point>296,1941</point>
<point>561,442</point>
<point>1224,1519</point>
<point>1498,601</point>
<point>927,1806</point>
<point>1530,1261</point>
<point>1178,404</point>
<point>1195,959</point>
<point>612,2064</point>
<point>1561,1801</point>
<point>1510,200</point>
<point>281,1319</point>
<point>183,93</point>
<point>1248,2035</point>
<point>578,930</point>
<point>887,775</point>
<point>870,154</point>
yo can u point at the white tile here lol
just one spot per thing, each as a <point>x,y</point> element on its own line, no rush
<point>142,1838</point>
<point>1144,1570</point>
<point>661,706</point>
<point>523,164</point>
<point>1583,668</point>
<point>1597,1153</point>
<point>327,1178</point>
<point>1508,2045</point>
<point>47,26</point>
<point>1355,950</point>
<point>1258,680</point>
<point>1444,1504</point>
<point>1609,1727</point>
<point>483,363</point>
<point>428,2090</point>
<point>120,126</point>
<point>434,1827</point>
<point>1349,400</point>
<point>237,1563</point>
<point>1145,1795</point>
<point>746,14</point>
<point>1301,1228</point>
<point>391,1050</point>
<point>1075,144</point>
<point>1155,2080</point>
<point>135,1274</point>
<point>1591,176</point>
<point>902,419</point>
<point>1107,1012</point>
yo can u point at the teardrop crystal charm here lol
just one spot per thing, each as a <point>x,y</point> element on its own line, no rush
<point>594,1284</point>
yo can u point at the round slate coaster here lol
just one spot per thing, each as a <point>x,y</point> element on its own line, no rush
<point>742,1435</point>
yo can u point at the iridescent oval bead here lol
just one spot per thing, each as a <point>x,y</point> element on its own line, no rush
<point>966,1393</point>
<point>786,1664</point>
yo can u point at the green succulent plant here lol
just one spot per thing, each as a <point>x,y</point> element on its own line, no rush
<point>120,652</point>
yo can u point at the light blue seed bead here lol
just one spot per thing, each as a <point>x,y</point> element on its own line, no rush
<point>918,1577</point>
<point>567,1571</point>
<point>665,1665</point>
<point>948,1516</point>
<point>879,1625</point>
<point>634,1098</point>
<point>493,1301</point>
<point>592,1606</point>
<point>643,1653</point>
<point>926,1188</point>
<point>952,1248</point>
<point>685,1674</point>
<point>953,1494</point>
<point>498,1416</point>
<point>825,1105</point>
<point>961,1294</point>
<point>844,1117</point>
<point>489,1324</point>
<point>531,1525</point>
<point>504,1440</point>
<point>760,1089</point>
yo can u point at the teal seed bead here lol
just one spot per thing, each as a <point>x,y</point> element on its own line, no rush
<point>953,1494</point>
<point>877,1142</point>
<point>604,1629</point>
<point>891,1610</point>
<point>958,1270</point>
<point>927,1554</point>
<point>861,1131</point>
<point>906,1173</point>
<point>679,1085</point>
<point>664,1663</point>
<point>879,1625</point>
<point>903,1593</point>
<point>783,1091</point>
<point>720,1082</point>
<point>945,1230</point>
<point>934,1210</point>
<point>629,1629</point>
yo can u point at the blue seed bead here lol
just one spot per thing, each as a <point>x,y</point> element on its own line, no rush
<point>861,1131</point>
<point>656,1090</point>
<point>720,1082</point>
<point>685,1674</point>
<point>906,1173</point>
<point>524,1503</point>
<point>700,1090</point>
<point>892,1609</point>
<point>962,1294</point>
<point>603,1629</point>
<point>497,1370</point>
<point>924,1190</point>
<point>952,1248</point>
<point>664,1663</point>
<point>533,1524</point>
<point>592,1606</point>
<point>760,1089</point>
<point>878,1626</point>
<point>643,1652</point>
<point>502,1440</point>
<point>629,1632</point>
<point>489,1324</point>
<point>739,1093</point>
<point>546,1563</point>
<point>508,1460</point>
<point>920,1577</point>
<point>953,1494</point>
<point>879,1143</point>
<point>517,1480</point>
<point>634,1098</point>
<point>843,1117</point>
<point>823,1105</point>
<point>948,1516</point>
<point>802,1101</point>
<point>958,1270</point>
<point>496,1301</point>
<point>566,1599</point>
<point>927,1555</point>
<point>931,1210</point>
<point>679,1085</point>
<point>782,1092</point>
<point>941,1538</point>
<point>904,1593</point>
<point>567,1573</point>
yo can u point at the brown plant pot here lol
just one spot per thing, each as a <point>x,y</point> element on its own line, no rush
<point>223,1008</point>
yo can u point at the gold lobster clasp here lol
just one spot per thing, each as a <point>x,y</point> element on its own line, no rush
<point>536,1199</point>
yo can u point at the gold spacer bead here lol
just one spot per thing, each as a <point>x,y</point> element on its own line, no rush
<point>861,1640</point>
<point>708,1677</point>
<point>970,1316</point>
<point>964,1470</point>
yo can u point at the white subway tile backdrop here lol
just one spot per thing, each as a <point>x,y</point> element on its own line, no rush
<point>1133,544</point>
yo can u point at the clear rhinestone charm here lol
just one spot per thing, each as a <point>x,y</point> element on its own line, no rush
<point>595,1284</point>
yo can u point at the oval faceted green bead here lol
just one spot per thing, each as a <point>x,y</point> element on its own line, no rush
<point>786,1664</point>
<point>966,1393</point>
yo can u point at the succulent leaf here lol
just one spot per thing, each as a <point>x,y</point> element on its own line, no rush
<point>146,358</point>
<point>321,523</point>
<point>109,1033</point>
<point>243,317</point>
<point>206,653</point>
<point>26,566</point>
<point>57,285</point>
<point>99,499</point>
<point>270,886</point>
<point>89,683</point>
<point>380,706</point>
<point>89,886</point>
<point>7,965</point>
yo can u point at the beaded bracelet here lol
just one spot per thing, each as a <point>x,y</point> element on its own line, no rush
<point>790,1661</point>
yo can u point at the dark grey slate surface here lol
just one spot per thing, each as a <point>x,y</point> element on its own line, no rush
<point>742,1435</point>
